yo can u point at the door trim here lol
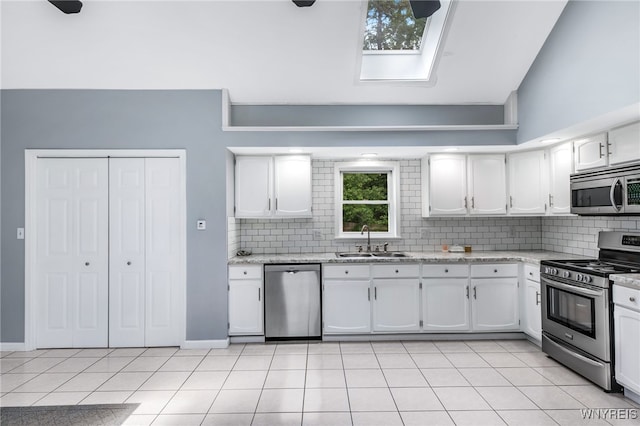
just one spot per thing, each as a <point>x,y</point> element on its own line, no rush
<point>31,157</point>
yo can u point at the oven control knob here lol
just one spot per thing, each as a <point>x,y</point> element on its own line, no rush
<point>566,274</point>
<point>587,279</point>
<point>579,277</point>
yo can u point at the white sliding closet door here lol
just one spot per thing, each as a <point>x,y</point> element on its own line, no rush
<point>165,298</point>
<point>72,252</point>
<point>126,252</point>
<point>145,297</point>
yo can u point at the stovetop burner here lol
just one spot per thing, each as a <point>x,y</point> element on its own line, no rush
<point>596,266</point>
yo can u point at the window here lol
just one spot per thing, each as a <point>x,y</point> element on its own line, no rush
<point>367,194</point>
<point>397,47</point>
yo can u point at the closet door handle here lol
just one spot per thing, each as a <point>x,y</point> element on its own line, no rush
<point>259,294</point>
<point>474,292</point>
<point>467,292</point>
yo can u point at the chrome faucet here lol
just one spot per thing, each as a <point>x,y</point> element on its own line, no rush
<point>366,228</point>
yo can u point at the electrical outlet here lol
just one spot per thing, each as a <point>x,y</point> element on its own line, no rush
<point>201,225</point>
<point>512,231</point>
<point>425,233</point>
<point>20,234</point>
<point>317,235</point>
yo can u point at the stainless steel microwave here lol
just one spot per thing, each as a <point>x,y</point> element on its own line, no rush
<point>609,191</point>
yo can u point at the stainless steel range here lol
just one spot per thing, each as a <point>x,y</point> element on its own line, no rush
<point>577,309</point>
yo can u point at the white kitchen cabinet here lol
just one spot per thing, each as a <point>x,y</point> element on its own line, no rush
<point>527,183</point>
<point>346,306</point>
<point>292,186</point>
<point>272,186</point>
<point>494,303</point>
<point>590,152</point>
<point>560,168</point>
<point>624,144</point>
<point>445,304</point>
<point>447,185</point>
<point>396,304</point>
<point>532,315</point>
<point>245,300</point>
<point>626,320</point>
<point>486,182</point>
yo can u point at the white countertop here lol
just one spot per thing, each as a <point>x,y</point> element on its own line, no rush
<point>425,257</point>
<point>627,280</point>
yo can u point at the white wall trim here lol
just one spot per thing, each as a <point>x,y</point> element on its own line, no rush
<point>31,157</point>
<point>12,347</point>
<point>205,344</point>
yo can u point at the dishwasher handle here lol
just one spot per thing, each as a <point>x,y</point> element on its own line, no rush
<point>293,268</point>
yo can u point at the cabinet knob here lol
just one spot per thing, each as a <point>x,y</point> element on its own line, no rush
<point>346,272</point>
<point>495,271</point>
<point>86,263</point>
<point>531,273</point>
<point>396,271</point>
<point>446,271</point>
<point>632,299</point>
<point>129,263</point>
<point>244,272</point>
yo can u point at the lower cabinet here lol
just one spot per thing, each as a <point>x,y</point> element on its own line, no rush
<point>532,314</point>
<point>346,306</point>
<point>245,300</point>
<point>396,304</point>
<point>494,306</point>
<point>626,320</point>
<point>445,304</point>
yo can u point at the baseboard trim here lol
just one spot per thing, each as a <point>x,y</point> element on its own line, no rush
<point>205,344</point>
<point>422,336</point>
<point>12,346</point>
<point>247,339</point>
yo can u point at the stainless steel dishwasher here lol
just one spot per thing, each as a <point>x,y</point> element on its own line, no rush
<point>292,301</point>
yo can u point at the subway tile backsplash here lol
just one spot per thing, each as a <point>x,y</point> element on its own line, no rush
<point>317,234</point>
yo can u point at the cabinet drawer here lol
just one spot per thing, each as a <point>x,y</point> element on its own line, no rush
<point>495,270</point>
<point>627,297</point>
<point>346,271</point>
<point>240,272</point>
<point>445,270</point>
<point>532,272</point>
<point>393,271</point>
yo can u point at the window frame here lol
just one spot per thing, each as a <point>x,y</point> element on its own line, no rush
<point>392,168</point>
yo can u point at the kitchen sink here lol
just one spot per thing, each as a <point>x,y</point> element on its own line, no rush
<point>372,254</point>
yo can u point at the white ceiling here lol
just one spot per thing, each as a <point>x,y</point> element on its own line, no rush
<point>264,51</point>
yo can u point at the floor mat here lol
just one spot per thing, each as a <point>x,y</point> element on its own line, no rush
<point>102,414</point>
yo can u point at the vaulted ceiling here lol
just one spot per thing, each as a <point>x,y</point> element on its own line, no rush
<point>263,51</point>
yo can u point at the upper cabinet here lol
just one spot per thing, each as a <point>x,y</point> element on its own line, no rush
<point>528,183</point>
<point>560,168</point>
<point>486,180</point>
<point>273,186</point>
<point>624,144</point>
<point>447,183</point>
<point>590,152</point>
<point>460,185</point>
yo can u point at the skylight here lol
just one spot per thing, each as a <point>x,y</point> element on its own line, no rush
<point>397,47</point>
<point>390,25</point>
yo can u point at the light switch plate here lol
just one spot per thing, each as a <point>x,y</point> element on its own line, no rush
<point>201,225</point>
<point>20,234</point>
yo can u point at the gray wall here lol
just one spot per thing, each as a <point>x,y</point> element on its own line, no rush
<point>121,119</point>
<point>589,66</point>
<point>189,120</point>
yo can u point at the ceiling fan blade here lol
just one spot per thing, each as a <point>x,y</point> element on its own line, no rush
<point>67,6</point>
<point>424,8</point>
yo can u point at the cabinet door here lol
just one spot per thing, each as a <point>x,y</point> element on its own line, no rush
<point>253,186</point>
<point>494,306</point>
<point>533,315</point>
<point>292,186</point>
<point>346,306</point>
<point>447,185</point>
<point>527,183</point>
<point>487,184</point>
<point>245,307</point>
<point>396,304</point>
<point>591,152</point>
<point>559,171</point>
<point>627,346</point>
<point>624,144</point>
<point>445,304</point>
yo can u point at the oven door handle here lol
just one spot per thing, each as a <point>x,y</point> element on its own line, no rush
<point>574,354</point>
<point>573,288</point>
<point>616,182</point>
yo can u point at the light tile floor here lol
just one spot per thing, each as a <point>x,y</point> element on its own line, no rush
<point>366,383</point>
